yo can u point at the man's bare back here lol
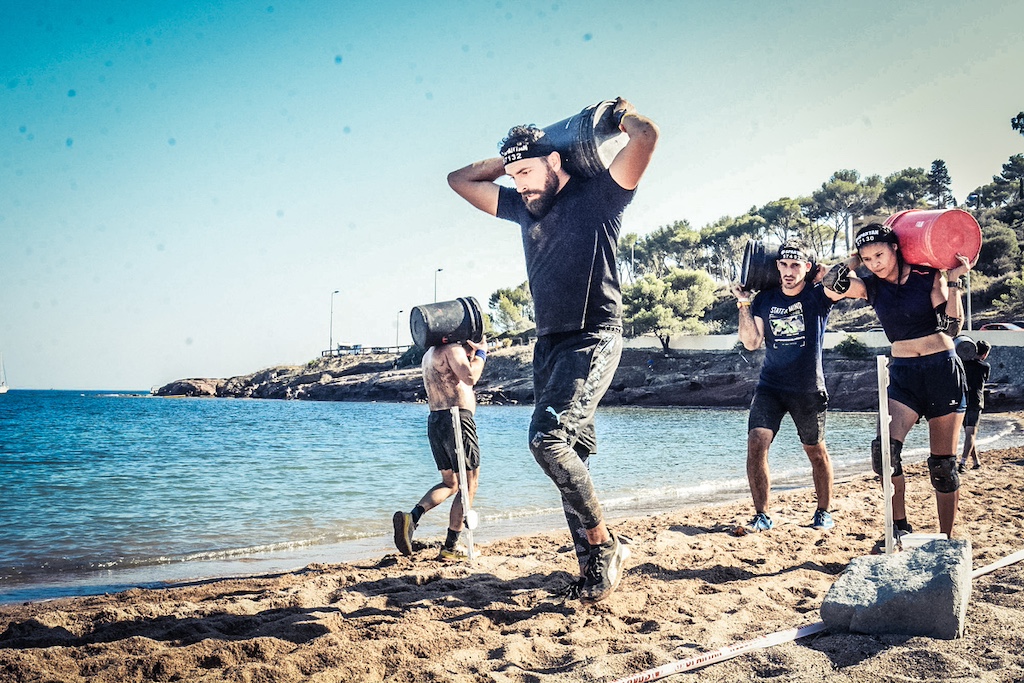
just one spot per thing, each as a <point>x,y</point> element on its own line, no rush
<point>449,374</point>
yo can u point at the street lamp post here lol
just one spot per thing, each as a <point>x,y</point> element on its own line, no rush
<point>435,283</point>
<point>970,322</point>
<point>330,343</point>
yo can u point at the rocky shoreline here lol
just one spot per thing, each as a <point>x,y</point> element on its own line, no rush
<point>645,377</point>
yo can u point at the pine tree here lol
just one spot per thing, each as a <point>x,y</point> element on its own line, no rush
<point>1017,123</point>
<point>938,184</point>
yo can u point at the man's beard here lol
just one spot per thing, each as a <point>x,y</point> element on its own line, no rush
<point>541,203</point>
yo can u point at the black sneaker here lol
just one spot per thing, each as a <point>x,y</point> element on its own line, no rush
<point>569,592</point>
<point>901,527</point>
<point>403,532</point>
<point>604,570</point>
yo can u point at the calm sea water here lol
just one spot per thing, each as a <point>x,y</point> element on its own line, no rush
<point>100,491</point>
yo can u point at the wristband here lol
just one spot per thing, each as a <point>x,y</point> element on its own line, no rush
<point>740,303</point>
<point>957,284</point>
<point>481,354</point>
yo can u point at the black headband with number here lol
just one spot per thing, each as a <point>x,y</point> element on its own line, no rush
<point>789,252</point>
<point>525,149</point>
<point>874,235</point>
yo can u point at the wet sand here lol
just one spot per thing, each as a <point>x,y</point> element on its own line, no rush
<point>690,587</point>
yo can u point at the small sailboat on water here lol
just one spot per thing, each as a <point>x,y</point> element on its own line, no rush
<point>3,376</point>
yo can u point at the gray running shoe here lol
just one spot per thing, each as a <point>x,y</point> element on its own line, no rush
<point>403,532</point>
<point>604,570</point>
<point>822,520</point>
<point>760,522</point>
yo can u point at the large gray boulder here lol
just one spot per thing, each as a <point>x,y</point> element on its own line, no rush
<point>920,592</point>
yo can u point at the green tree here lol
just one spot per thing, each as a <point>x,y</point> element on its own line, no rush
<point>626,257</point>
<point>1017,123</point>
<point>1012,181</point>
<point>1012,303</point>
<point>1012,177</point>
<point>906,189</point>
<point>669,305</point>
<point>938,184</point>
<point>664,248</point>
<point>721,245</point>
<point>785,219</point>
<point>1000,250</point>
<point>991,195</point>
<point>512,309</point>
<point>843,199</point>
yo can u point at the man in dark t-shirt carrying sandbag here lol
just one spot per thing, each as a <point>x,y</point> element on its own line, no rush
<point>570,229</point>
<point>790,320</point>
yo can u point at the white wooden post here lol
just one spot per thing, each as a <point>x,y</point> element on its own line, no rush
<point>883,435</point>
<point>467,513</point>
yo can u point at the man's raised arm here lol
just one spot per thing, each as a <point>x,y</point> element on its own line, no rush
<point>630,163</point>
<point>475,183</point>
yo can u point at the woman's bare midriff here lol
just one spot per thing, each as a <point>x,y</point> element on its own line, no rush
<point>922,346</point>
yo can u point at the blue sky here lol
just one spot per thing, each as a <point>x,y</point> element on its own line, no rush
<point>183,185</point>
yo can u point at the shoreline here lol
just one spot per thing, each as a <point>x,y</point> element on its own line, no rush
<point>690,587</point>
<point>244,565</point>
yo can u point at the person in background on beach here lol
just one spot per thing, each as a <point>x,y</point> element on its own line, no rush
<point>449,373</point>
<point>921,312</point>
<point>570,228</point>
<point>976,371</point>
<point>790,320</point>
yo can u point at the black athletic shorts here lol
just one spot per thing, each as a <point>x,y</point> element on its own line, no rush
<point>971,418</point>
<point>932,385</point>
<point>441,434</point>
<point>806,408</point>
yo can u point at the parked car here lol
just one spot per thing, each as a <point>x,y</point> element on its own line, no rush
<point>1008,327</point>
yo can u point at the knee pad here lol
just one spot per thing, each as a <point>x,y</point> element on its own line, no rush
<point>942,470</point>
<point>895,448</point>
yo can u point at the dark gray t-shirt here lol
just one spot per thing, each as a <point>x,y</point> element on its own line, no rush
<point>570,253</point>
<point>794,329</point>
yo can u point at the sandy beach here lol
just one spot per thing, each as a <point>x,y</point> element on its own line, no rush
<point>690,587</point>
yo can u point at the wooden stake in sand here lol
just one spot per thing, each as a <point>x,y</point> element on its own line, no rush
<point>468,516</point>
<point>883,436</point>
<point>722,654</point>
<point>1013,558</point>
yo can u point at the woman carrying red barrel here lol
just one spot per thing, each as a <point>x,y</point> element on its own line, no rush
<point>921,312</point>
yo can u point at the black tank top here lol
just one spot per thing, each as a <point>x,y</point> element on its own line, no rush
<point>905,311</point>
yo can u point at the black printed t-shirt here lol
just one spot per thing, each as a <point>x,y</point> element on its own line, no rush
<point>570,253</point>
<point>794,329</point>
<point>905,311</point>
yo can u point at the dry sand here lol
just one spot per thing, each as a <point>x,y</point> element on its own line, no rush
<point>689,588</point>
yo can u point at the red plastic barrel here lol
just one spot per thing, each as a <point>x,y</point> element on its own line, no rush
<point>934,237</point>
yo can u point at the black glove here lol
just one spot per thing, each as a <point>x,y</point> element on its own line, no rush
<point>837,278</point>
